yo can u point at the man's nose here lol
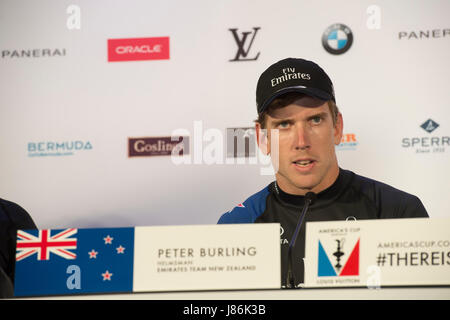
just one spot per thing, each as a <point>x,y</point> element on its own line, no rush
<point>302,140</point>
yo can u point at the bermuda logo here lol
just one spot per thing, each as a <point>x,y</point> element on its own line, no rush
<point>429,126</point>
<point>337,38</point>
<point>338,260</point>
<point>57,148</point>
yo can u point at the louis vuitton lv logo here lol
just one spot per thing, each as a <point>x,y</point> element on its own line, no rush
<point>243,46</point>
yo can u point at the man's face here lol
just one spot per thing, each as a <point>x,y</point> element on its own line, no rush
<point>306,146</point>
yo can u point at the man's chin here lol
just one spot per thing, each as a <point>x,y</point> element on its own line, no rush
<point>306,186</point>
<point>305,189</point>
<point>302,188</point>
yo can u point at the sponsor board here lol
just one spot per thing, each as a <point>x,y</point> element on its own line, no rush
<point>375,253</point>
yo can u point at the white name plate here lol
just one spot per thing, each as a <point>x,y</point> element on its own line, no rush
<point>375,253</point>
<point>207,257</point>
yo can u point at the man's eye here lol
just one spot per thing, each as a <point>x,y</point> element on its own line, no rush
<point>316,120</point>
<point>283,124</point>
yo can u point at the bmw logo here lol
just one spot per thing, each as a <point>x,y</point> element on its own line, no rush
<point>337,38</point>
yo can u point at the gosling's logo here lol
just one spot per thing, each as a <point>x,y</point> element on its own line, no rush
<point>158,146</point>
<point>337,38</point>
<point>338,260</point>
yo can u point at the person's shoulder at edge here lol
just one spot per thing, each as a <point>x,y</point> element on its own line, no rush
<point>385,196</point>
<point>17,215</point>
<point>247,211</point>
<point>12,218</point>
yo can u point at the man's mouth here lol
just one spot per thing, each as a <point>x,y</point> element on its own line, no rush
<point>303,163</point>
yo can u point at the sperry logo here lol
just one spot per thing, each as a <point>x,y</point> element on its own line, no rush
<point>428,144</point>
<point>429,126</point>
<point>288,74</point>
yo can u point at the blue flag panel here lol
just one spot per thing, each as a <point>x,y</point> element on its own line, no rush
<point>71,261</point>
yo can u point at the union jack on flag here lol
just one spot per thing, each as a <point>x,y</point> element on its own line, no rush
<point>45,243</point>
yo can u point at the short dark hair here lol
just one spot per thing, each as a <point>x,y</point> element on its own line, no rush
<point>287,99</point>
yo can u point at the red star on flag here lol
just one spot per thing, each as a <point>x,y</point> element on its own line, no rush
<point>93,254</point>
<point>108,239</point>
<point>120,249</point>
<point>107,275</point>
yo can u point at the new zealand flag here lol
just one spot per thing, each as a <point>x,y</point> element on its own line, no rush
<point>70,261</point>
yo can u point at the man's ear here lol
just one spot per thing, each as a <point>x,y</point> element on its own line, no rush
<point>338,129</point>
<point>262,139</point>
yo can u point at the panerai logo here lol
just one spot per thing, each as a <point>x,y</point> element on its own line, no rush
<point>33,53</point>
<point>288,74</point>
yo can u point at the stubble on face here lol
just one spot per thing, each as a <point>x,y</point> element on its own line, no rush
<point>306,140</point>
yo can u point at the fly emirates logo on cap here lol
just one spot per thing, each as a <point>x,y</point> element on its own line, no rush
<point>138,49</point>
<point>289,74</point>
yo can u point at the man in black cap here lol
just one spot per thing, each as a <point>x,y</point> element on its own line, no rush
<point>299,125</point>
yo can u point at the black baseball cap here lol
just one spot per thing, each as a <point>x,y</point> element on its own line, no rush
<point>292,75</point>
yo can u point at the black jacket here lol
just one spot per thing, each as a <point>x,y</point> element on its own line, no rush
<point>350,197</point>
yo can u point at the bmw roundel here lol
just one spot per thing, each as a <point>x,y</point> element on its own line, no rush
<point>337,38</point>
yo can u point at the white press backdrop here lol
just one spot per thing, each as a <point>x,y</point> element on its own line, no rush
<point>391,81</point>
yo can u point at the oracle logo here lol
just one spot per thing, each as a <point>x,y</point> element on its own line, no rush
<point>135,49</point>
<point>140,49</point>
